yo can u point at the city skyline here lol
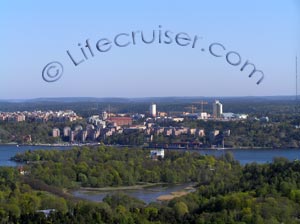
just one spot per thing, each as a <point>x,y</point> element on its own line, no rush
<point>263,33</point>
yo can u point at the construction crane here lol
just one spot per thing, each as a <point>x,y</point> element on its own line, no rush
<point>201,103</point>
<point>193,108</point>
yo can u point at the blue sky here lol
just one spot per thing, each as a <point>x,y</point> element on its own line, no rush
<point>34,33</point>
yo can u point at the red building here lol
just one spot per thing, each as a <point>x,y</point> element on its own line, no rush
<point>121,121</point>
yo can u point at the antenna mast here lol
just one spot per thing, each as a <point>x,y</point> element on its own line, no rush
<point>296,78</point>
<point>108,110</point>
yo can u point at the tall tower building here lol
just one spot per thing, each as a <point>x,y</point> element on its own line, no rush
<point>153,110</point>
<point>217,109</point>
<point>104,115</point>
<point>67,131</point>
<point>55,132</point>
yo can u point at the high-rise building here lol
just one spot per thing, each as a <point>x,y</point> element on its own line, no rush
<point>83,135</point>
<point>153,110</point>
<point>55,132</point>
<point>67,131</point>
<point>72,136</point>
<point>104,115</point>
<point>217,109</point>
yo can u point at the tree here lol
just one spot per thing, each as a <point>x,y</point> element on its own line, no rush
<point>180,209</point>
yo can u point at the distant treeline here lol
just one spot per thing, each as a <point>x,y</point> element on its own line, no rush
<point>87,107</point>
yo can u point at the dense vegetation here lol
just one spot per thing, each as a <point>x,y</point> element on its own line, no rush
<point>226,191</point>
<point>18,199</point>
<point>105,166</point>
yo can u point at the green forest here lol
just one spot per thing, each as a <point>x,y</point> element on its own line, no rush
<point>226,192</point>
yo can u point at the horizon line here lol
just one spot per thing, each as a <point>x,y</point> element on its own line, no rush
<point>142,97</point>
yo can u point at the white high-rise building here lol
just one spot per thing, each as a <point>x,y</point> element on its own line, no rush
<point>104,115</point>
<point>217,109</point>
<point>55,132</point>
<point>153,110</point>
<point>67,131</point>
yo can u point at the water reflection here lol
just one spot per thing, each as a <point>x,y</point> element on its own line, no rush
<point>148,194</point>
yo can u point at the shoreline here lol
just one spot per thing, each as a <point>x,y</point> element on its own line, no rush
<point>131,146</point>
<point>120,188</point>
<point>176,194</point>
<point>185,189</point>
<point>52,145</point>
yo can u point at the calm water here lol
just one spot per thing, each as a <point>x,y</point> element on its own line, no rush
<point>8,151</point>
<point>149,194</point>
